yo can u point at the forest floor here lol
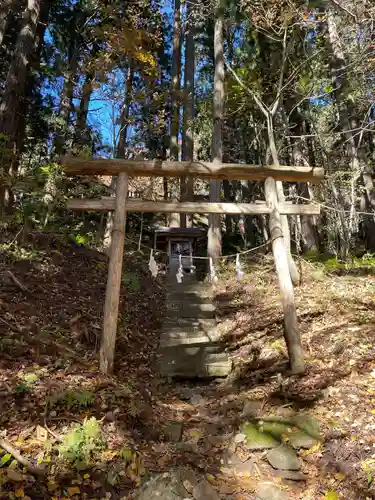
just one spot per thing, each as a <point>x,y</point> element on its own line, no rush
<point>102,437</point>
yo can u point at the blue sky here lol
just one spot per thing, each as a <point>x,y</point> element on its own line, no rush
<point>101,111</point>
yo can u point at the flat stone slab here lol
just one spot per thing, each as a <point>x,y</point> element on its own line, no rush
<point>188,279</point>
<point>204,491</point>
<point>300,439</point>
<point>284,457</point>
<point>192,312</point>
<point>168,486</point>
<point>301,431</point>
<point>195,364</point>
<point>191,350</point>
<point>251,408</point>
<point>192,295</point>
<point>181,303</point>
<point>308,424</point>
<point>204,324</point>
<point>256,439</point>
<point>170,339</point>
<point>292,475</point>
<point>267,491</point>
<point>172,430</point>
<point>197,288</point>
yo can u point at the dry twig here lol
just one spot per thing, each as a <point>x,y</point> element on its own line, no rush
<point>18,283</point>
<point>36,471</point>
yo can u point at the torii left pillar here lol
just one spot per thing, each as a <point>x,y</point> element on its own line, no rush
<point>112,297</point>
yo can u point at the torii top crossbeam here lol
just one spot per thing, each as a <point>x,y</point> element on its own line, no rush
<point>204,170</point>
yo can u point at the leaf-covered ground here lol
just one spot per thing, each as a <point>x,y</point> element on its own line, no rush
<point>101,437</point>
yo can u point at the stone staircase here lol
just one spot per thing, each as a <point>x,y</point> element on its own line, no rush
<point>190,345</point>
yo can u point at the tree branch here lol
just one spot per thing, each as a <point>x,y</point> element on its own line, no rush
<point>258,101</point>
<point>36,471</point>
<point>341,7</point>
<point>276,102</point>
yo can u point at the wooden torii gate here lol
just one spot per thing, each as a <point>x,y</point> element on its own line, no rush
<point>121,205</point>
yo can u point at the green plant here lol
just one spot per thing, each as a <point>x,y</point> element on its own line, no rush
<point>368,467</point>
<point>278,345</point>
<point>14,252</point>
<point>5,459</point>
<point>80,446</point>
<point>72,399</point>
<point>126,454</point>
<point>85,240</point>
<point>131,281</point>
<point>22,388</point>
<point>31,378</point>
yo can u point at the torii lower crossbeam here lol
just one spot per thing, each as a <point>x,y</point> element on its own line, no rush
<point>144,206</point>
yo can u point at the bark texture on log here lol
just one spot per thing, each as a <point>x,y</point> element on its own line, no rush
<point>112,298</point>
<point>105,204</point>
<point>203,170</point>
<point>214,227</point>
<point>291,331</point>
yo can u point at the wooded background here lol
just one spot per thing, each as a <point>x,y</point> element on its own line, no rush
<point>292,82</point>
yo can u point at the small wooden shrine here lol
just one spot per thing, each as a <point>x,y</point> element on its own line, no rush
<point>178,242</point>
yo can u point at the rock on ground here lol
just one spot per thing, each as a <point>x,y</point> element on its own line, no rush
<point>169,486</point>
<point>267,491</point>
<point>284,457</point>
<point>204,491</point>
<point>256,439</point>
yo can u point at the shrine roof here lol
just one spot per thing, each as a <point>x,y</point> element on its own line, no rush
<point>192,232</point>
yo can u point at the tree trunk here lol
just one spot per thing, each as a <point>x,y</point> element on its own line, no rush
<point>187,184</point>
<point>228,217</point>
<point>174,220</point>
<point>347,116</point>
<point>81,136</point>
<point>66,101</point>
<point>309,230</point>
<point>120,149</point>
<point>124,125</point>
<point>294,274</point>
<point>5,7</point>
<point>14,89</point>
<point>291,333</point>
<point>12,104</point>
<point>301,154</point>
<point>214,230</point>
<point>34,67</point>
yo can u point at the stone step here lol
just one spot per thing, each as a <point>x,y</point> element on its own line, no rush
<point>176,338</point>
<point>186,306</point>
<point>198,363</point>
<point>192,350</point>
<point>193,286</point>
<point>191,297</point>
<point>188,283</point>
<point>173,331</point>
<point>183,288</point>
<point>197,312</point>
<point>186,278</point>
<point>188,323</point>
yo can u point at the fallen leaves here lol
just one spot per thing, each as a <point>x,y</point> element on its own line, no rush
<point>73,490</point>
<point>331,495</point>
<point>15,476</point>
